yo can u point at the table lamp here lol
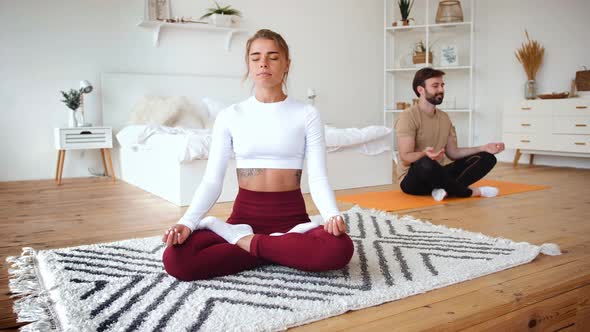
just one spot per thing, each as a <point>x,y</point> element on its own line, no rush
<point>85,87</point>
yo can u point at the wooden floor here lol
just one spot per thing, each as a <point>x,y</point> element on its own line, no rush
<point>549,294</point>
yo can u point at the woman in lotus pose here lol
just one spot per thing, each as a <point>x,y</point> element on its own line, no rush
<point>270,134</point>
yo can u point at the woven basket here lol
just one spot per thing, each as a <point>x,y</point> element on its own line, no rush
<point>583,80</point>
<point>420,57</point>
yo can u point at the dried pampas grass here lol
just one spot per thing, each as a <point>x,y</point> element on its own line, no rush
<point>531,56</point>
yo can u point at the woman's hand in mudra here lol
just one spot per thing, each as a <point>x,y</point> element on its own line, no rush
<point>176,234</point>
<point>335,226</point>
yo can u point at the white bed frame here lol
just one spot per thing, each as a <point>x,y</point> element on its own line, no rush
<point>177,182</point>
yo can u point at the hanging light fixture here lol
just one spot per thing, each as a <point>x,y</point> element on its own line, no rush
<point>449,12</point>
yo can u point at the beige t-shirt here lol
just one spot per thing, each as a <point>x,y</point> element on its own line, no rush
<point>426,129</point>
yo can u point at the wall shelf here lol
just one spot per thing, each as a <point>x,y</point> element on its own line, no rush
<point>157,27</point>
<point>436,26</point>
<point>458,25</point>
<point>447,110</point>
<point>389,70</point>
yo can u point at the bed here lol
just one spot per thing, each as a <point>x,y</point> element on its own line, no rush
<point>174,174</point>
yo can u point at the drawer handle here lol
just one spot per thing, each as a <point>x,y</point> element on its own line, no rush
<point>525,108</point>
<point>86,132</point>
<point>580,143</point>
<point>525,141</point>
<point>525,124</point>
<point>581,107</point>
<point>580,125</point>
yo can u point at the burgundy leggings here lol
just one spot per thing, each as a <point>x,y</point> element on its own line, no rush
<point>206,255</point>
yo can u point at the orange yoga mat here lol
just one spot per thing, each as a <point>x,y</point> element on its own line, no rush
<point>396,200</point>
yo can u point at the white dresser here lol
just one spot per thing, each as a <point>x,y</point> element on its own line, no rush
<point>553,126</point>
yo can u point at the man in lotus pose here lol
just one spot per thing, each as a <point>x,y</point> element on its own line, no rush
<point>430,161</point>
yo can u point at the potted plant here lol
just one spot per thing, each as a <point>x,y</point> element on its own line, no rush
<point>419,55</point>
<point>530,55</point>
<point>222,16</point>
<point>405,7</point>
<point>72,100</point>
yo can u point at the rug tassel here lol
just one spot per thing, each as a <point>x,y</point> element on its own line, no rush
<point>550,249</point>
<point>33,302</point>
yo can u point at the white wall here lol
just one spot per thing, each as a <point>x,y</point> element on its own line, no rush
<point>337,48</point>
<point>562,27</point>
<point>49,46</point>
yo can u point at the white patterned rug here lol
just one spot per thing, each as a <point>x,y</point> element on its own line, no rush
<point>121,286</point>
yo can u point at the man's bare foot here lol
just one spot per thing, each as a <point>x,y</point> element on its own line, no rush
<point>484,191</point>
<point>439,194</point>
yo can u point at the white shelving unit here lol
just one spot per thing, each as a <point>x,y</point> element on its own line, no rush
<point>398,74</point>
<point>157,27</point>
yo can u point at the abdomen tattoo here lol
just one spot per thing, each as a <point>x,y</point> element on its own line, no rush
<point>249,171</point>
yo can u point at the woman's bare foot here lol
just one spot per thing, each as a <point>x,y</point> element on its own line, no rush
<point>229,232</point>
<point>244,242</point>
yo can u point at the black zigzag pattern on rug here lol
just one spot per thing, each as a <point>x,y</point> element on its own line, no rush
<point>127,289</point>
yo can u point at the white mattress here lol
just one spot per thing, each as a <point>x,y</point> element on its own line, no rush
<point>185,144</point>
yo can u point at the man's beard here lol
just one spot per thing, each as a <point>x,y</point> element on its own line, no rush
<point>435,99</point>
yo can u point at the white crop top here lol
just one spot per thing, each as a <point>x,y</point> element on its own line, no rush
<point>265,135</point>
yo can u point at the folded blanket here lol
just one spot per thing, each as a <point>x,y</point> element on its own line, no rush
<point>367,140</point>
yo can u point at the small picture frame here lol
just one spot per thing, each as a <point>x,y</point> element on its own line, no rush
<point>157,10</point>
<point>449,56</point>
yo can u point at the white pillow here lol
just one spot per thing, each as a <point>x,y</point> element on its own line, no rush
<point>168,111</point>
<point>190,116</point>
<point>153,109</point>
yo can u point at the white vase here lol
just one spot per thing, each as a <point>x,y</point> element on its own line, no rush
<point>72,121</point>
<point>80,119</point>
<point>222,21</point>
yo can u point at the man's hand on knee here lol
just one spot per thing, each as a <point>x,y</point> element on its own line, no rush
<point>493,148</point>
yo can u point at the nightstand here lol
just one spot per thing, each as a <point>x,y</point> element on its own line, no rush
<point>84,138</point>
